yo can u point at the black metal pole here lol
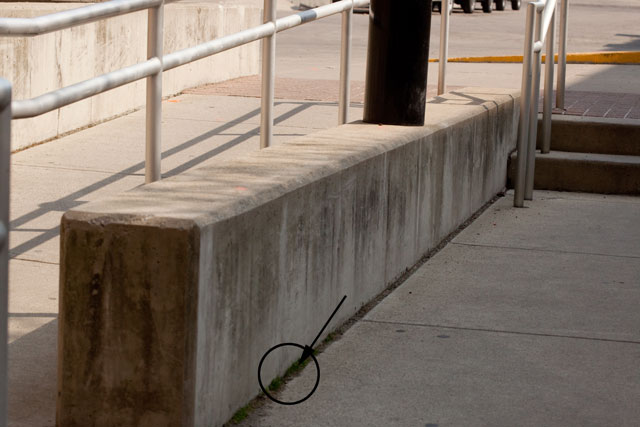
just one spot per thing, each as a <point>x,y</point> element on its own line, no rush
<point>397,59</point>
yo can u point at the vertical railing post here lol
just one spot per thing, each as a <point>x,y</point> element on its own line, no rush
<point>444,46</point>
<point>525,105</point>
<point>5,152</point>
<point>268,76</point>
<point>548,86</point>
<point>533,112</point>
<point>345,66</point>
<point>562,54</point>
<point>154,96</point>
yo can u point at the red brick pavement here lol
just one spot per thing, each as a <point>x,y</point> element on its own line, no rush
<point>600,104</point>
<point>577,103</point>
<point>288,88</point>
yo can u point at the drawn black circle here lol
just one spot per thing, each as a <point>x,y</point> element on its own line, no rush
<point>292,344</point>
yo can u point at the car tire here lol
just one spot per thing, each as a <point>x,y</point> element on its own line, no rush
<point>500,4</point>
<point>487,6</point>
<point>436,7</point>
<point>515,4</point>
<point>468,5</point>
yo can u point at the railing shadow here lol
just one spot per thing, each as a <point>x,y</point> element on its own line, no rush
<point>73,199</point>
<point>32,376</point>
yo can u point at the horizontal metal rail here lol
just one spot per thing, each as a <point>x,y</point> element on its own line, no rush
<point>28,27</point>
<point>68,95</point>
<point>79,91</point>
<point>153,66</point>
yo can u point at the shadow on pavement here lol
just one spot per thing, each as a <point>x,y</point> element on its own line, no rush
<point>32,376</point>
<point>72,200</point>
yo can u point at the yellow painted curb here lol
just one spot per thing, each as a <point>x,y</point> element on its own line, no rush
<point>629,57</point>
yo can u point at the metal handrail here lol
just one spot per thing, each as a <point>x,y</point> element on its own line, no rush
<point>150,69</point>
<point>29,27</point>
<point>156,63</point>
<point>41,104</point>
<point>540,28</point>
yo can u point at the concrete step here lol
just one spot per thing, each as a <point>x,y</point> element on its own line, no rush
<point>584,172</point>
<point>593,135</point>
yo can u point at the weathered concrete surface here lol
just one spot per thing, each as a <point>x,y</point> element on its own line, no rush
<point>528,318</point>
<point>41,64</point>
<point>49,179</point>
<point>171,293</point>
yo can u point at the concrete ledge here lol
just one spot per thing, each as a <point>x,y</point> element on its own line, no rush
<point>170,293</point>
<point>41,64</point>
<point>584,172</point>
<point>593,135</point>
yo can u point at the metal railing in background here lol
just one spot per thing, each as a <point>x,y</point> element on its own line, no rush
<point>5,152</point>
<point>562,52</point>
<point>152,68</point>
<point>445,11</point>
<point>268,56</point>
<point>540,27</point>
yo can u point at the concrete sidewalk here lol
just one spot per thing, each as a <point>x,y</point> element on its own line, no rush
<point>528,317</point>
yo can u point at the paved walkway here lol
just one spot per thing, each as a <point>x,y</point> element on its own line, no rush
<point>601,104</point>
<point>529,317</point>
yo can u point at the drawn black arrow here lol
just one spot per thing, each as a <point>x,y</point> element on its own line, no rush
<point>308,349</point>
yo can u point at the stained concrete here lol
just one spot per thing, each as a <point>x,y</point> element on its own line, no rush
<point>492,331</point>
<point>241,255</point>
<point>51,178</point>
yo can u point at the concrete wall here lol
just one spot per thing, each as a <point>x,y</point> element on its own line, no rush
<point>41,64</point>
<point>170,293</point>
<point>312,3</point>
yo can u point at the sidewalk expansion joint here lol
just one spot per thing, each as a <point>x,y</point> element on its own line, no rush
<point>499,331</point>
<point>104,172</point>
<point>557,251</point>
<point>34,260</point>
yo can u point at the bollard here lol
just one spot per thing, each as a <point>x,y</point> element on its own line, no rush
<point>397,59</point>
